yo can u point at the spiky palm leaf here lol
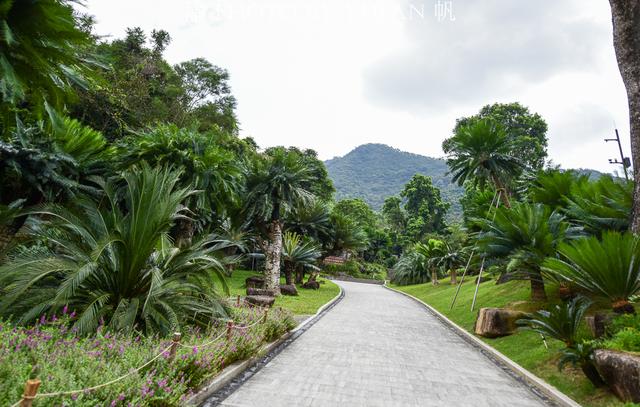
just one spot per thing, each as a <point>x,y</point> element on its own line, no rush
<point>481,153</point>
<point>115,262</point>
<point>607,268</point>
<point>41,57</point>
<point>562,322</point>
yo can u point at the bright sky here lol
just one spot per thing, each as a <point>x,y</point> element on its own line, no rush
<point>333,74</point>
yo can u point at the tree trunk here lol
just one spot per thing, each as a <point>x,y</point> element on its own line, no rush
<point>623,307</point>
<point>434,277</point>
<point>537,288</point>
<point>626,41</point>
<point>183,233</point>
<point>300,275</point>
<point>6,235</point>
<point>288,272</point>
<point>502,190</point>
<point>273,250</point>
<point>454,276</point>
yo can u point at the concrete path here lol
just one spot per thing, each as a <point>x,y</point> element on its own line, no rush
<point>379,348</point>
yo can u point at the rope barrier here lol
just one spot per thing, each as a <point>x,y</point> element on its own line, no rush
<point>171,348</point>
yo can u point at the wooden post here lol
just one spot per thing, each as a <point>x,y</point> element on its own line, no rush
<point>174,345</point>
<point>238,301</point>
<point>30,391</point>
<point>264,317</point>
<point>229,330</point>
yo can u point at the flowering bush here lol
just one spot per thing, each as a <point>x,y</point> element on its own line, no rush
<point>65,361</point>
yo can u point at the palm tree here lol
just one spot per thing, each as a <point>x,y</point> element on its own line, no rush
<point>451,259</point>
<point>525,235</point>
<point>562,323</point>
<point>430,253</point>
<point>607,268</point>
<point>274,187</point>
<point>552,187</point>
<point>41,56</point>
<point>298,254</point>
<point>346,235</point>
<point>115,261</point>
<point>481,152</point>
<point>204,165</point>
<point>410,269</point>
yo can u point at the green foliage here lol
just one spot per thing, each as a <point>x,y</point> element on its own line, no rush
<point>346,235</point>
<point>298,253</point>
<point>393,213</point>
<point>607,268</point>
<point>41,57</point>
<point>526,131</point>
<point>552,187</point>
<point>424,207</point>
<point>562,322</point>
<point>481,152</point>
<point>525,235</point>
<point>115,262</point>
<point>601,205</point>
<point>627,339</point>
<point>358,211</point>
<point>373,172</point>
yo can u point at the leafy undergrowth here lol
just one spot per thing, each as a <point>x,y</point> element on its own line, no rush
<point>306,303</point>
<point>64,361</point>
<point>525,348</point>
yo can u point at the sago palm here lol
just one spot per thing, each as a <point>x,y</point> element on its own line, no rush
<point>114,262</point>
<point>431,251</point>
<point>297,254</point>
<point>483,153</point>
<point>525,235</point>
<point>275,185</point>
<point>411,268</point>
<point>607,268</point>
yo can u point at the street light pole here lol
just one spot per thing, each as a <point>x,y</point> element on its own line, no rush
<point>626,162</point>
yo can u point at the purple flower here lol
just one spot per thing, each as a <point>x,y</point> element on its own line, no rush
<point>65,309</point>
<point>195,350</point>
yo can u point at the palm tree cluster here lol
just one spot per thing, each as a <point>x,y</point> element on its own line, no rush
<point>138,225</point>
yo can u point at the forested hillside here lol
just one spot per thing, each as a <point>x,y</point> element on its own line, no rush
<point>375,171</point>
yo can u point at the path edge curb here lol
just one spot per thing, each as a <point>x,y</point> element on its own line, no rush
<point>533,381</point>
<point>264,354</point>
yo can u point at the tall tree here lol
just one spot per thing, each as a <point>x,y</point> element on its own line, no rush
<point>481,152</point>
<point>275,185</point>
<point>424,207</point>
<point>526,131</point>
<point>626,41</point>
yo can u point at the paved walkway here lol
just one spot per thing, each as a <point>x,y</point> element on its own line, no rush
<point>379,348</point>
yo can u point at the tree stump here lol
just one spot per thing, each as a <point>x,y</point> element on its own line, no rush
<point>313,285</point>
<point>261,291</point>
<point>288,289</point>
<point>254,282</point>
<point>598,324</point>
<point>496,322</point>
<point>621,371</point>
<point>260,300</point>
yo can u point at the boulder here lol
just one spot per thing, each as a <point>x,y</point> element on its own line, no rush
<point>254,282</point>
<point>598,324</point>
<point>495,322</point>
<point>621,371</point>
<point>288,289</point>
<point>314,285</point>
<point>261,291</point>
<point>260,300</point>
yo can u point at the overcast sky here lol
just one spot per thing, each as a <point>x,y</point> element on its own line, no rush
<point>333,74</point>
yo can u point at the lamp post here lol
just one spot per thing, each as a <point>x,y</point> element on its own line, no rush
<point>625,161</point>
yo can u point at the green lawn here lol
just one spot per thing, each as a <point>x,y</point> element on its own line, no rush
<point>525,348</point>
<point>307,303</point>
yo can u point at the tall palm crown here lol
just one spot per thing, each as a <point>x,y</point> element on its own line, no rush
<point>115,262</point>
<point>298,253</point>
<point>481,152</point>
<point>275,185</point>
<point>40,53</point>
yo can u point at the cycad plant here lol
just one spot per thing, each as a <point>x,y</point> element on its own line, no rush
<point>411,268</point>
<point>608,268</point>
<point>431,251</point>
<point>562,323</point>
<point>42,55</point>
<point>525,235</point>
<point>297,254</point>
<point>482,153</point>
<point>114,262</point>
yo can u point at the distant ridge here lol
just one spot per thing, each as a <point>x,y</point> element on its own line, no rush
<point>375,171</point>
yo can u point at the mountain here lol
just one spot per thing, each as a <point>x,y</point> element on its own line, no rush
<point>375,171</point>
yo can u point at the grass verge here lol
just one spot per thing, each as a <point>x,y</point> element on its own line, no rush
<point>525,348</point>
<point>306,303</point>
